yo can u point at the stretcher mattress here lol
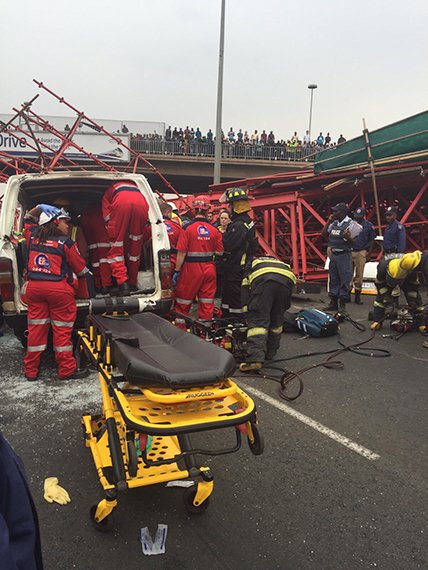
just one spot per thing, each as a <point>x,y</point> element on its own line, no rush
<point>150,351</point>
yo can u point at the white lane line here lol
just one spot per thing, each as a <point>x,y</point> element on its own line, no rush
<point>343,440</point>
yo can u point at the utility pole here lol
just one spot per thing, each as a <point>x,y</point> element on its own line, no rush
<point>311,86</point>
<point>218,137</point>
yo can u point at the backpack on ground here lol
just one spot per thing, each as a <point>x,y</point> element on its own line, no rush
<point>312,322</point>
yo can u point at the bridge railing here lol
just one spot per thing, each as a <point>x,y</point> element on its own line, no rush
<point>237,151</point>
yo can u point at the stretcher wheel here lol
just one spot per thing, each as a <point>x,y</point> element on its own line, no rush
<point>132,459</point>
<point>188,498</point>
<point>258,445</point>
<point>103,526</point>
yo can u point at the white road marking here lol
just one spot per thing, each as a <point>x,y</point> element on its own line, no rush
<point>343,440</point>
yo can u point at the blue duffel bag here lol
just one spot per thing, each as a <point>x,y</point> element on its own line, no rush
<point>312,322</point>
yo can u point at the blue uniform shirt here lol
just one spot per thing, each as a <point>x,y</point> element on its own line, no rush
<point>394,239</point>
<point>365,237</point>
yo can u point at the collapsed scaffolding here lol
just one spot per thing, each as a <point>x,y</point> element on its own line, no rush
<point>290,209</point>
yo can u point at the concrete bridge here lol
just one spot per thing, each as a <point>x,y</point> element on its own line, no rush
<point>193,174</point>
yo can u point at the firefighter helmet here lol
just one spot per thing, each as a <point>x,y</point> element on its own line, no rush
<point>235,193</point>
<point>201,203</point>
<point>410,261</point>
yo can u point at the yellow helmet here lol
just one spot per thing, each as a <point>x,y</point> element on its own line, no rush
<point>410,261</point>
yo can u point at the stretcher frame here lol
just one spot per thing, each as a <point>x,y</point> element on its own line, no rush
<point>134,417</point>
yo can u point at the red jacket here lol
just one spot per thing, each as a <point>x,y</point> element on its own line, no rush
<point>121,192</point>
<point>56,259</point>
<point>200,241</point>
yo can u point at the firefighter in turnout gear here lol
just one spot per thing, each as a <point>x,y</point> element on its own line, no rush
<point>266,295</point>
<point>240,245</point>
<point>401,271</point>
<point>125,212</point>
<point>51,285</point>
<point>195,272</point>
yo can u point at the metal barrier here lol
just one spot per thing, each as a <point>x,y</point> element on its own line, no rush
<point>236,151</point>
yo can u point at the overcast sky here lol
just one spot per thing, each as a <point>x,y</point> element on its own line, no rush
<point>157,60</point>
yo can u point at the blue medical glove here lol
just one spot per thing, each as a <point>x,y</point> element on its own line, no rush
<point>49,210</point>
<point>175,277</point>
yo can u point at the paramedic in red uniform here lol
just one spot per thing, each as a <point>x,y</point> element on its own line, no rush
<point>195,271</point>
<point>54,262</point>
<point>125,211</point>
<point>98,244</point>
<point>173,228</point>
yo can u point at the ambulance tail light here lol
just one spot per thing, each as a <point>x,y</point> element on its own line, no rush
<point>165,272</point>
<point>6,279</point>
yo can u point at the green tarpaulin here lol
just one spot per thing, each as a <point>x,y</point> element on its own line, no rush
<point>406,139</point>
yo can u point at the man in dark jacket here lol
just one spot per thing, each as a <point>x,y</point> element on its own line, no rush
<point>19,528</point>
<point>266,295</point>
<point>240,244</point>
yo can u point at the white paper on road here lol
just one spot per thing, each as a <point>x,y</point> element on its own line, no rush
<point>180,484</point>
<point>158,546</point>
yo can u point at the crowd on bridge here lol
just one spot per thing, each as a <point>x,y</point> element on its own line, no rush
<point>240,144</point>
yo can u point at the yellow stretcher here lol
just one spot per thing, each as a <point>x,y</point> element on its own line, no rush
<point>159,385</point>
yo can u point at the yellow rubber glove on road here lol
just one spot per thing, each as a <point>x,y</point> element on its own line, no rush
<point>53,492</point>
<point>375,326</point>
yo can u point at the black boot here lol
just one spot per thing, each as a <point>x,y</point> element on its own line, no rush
<point>124,289</point>
<point>342,307</point>
<point>357,300</point>
<point>332,306</point>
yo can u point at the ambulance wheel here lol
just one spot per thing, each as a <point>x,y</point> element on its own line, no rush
<point>103,526</point>
<point>258,445</point>
<point>132,459</point>
<point>188,498</point>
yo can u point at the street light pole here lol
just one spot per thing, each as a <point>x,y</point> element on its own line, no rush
<point>218,137</point>
<point>311,86</point>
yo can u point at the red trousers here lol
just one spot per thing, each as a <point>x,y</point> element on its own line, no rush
<point>196,280</point>
<point>50,303</point>
<point>99,244</point>
<point>126,228</point>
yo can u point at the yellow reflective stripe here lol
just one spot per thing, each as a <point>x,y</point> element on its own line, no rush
<point>276,330</point>
<point>243,258</point>
<point>377,304</point>
<point>245,309</point>
<point>412,293</point>
<point>73,233</point>
<point>270,261</point>
<point>383,290</point>
<point>256,331</point>
<point>245,281</point>
<point>420,309</point>
<point>264,271</point>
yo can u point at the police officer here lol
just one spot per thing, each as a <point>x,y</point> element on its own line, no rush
<point>394,238</point>
<point>19,527</point>
<point>173,227</point>
<point>401,271</point>
<point>50,289</point>
<point>266,295</point>
<point>337,230</point>
<point>361,250</point>
<point>240,244</point>
<point>195,271</point>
